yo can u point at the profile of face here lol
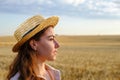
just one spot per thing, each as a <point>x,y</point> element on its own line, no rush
<point>47,46</point>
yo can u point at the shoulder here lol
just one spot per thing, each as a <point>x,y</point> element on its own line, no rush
<point>15,77</point>
<point>56,72</point>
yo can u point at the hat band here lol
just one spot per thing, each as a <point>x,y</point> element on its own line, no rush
<point>29,31</point>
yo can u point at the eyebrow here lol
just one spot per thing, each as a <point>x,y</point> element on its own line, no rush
<point>51,36</point>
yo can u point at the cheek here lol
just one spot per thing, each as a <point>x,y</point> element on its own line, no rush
<point>45,48</point>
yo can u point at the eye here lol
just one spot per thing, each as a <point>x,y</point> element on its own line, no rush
<point>51,39</point>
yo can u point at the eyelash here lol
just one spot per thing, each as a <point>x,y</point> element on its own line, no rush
<point>51,39</point>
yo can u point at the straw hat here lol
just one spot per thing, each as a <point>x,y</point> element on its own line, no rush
<point>31,27</point>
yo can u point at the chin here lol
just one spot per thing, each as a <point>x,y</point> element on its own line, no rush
<point>52,59</point>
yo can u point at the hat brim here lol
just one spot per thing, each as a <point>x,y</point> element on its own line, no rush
<point>51,21</point>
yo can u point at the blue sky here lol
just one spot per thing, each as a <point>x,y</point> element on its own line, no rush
<point>77,17</point>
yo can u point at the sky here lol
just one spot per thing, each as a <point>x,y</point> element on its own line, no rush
<point>77,17</point>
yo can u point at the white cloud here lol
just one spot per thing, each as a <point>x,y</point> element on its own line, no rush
<point>74,2</point>
<point>49,2</point>
<point>110,7</point>
<point>17,2</point>
<point>27,2</point>
<point>84,8</point>
<point>104,7</point>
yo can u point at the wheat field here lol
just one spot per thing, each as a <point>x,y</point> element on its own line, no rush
<point>79,57</point>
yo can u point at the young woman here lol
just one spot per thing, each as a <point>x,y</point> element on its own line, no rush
<point>36,44</point>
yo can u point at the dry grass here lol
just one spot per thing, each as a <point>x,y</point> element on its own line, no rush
<point>79,58</point>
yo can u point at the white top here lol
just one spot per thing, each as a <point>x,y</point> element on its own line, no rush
<point>56,72</point>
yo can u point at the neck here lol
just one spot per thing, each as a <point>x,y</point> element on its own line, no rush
<point>41,67</point>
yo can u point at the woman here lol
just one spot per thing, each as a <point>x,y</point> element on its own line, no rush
<point>36,43</point>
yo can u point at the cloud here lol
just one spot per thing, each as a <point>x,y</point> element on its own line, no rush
<point>74,2</point>
<point>25,6</point>
<point>103,8</point>
<point>108,7</point>
<point>26,2</point>
<point>81,8</point>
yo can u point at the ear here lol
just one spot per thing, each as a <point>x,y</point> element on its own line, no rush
<point>33,44</point>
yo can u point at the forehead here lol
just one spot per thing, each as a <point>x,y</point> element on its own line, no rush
<point>49,31</point>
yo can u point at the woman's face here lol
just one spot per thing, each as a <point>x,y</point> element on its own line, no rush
<point>47,45</point>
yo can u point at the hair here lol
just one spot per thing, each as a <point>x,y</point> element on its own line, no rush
<point>26,62</point>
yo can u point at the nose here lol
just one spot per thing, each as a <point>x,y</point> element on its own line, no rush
<point>56,44</point>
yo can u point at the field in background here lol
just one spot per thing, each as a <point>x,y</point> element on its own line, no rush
<point>79,57</point>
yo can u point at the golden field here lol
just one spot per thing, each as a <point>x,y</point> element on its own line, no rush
<point>79,57</point>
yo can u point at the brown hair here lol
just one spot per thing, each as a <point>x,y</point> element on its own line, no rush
<point>25,61</point>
